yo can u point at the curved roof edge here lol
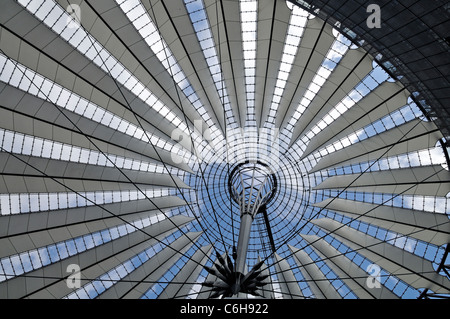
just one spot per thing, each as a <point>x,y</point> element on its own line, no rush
<point>412,44</point>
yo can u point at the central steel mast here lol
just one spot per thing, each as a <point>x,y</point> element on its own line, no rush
<point>251,185</point>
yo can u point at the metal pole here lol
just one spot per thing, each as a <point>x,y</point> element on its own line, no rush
<point>244,238</point>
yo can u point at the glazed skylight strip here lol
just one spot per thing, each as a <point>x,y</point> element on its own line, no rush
<point>363,262</point>
<point>137,14</point>
<point>38,202</point>
<point>199,20</point>
<point>28,261</point>
<point>334,280</point>
<point>399,240</point>
<point>420,158</point>
<point>249,17</point>
<point>297,24</point>
<point>94,51</point>
<point>156,289</point>
<point>334,55</point>
<point>417,247</point>
<point>431,204</point>
<point>23,144</point>
<point>196,288</point>
<point>27,80</point>
<point>376,77</point>
<point>401,116</point>
<point>98,286</point>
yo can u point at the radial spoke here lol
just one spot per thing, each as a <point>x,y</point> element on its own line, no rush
<point>192,149</point>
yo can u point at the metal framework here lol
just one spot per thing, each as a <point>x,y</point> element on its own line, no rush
<point>144,140</point>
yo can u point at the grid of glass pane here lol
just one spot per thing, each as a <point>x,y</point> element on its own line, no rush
<point>33,83</point>
<point>95,52</point>
<point>98,286</point>
<point>297,24</point>
<point>399,117</point>
<point>155,290</point>
<point>23,144</point>
<point>11,204</point>
<point>292,208</point>
<point>28,261</point>
<point>249,26</point>
<point>339,48</point>
<point>140,19</point>
<point>202,27</point>
<point>432,204</point>
<point>376,77</point>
